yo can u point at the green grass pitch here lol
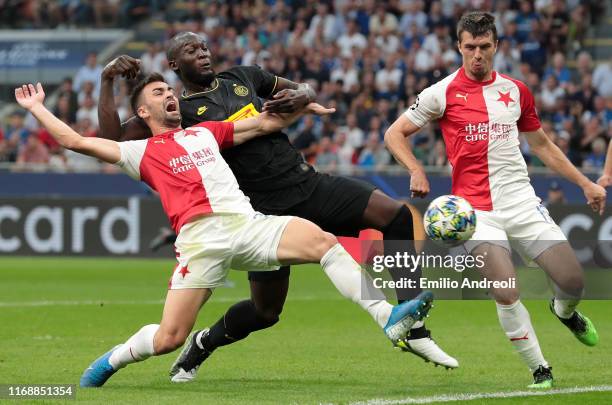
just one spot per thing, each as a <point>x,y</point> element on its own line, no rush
<point>57,315</point>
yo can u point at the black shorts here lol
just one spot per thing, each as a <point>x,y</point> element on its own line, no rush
<point>336,204</point>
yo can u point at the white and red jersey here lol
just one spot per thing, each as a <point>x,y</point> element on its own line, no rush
<point>186,168</point>
<point>480,122</point>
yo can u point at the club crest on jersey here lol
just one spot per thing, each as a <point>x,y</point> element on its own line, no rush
<point>202,109</point>
<point>241,91</point>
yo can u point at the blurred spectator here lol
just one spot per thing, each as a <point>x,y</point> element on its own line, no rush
<point>602,79</point>
<point>133,11</point>
<point>33,151</point>
<point>374,155</point>
<point>533,50</point>
<point>388,79</point>
<point>559,70</point>
<point>387,41</point>
<point>344,151</point>
<point>71,100</point>
<point>507,59</point>
<point>525,19</point>
<point>347,73</point>
<point>382,20</point>
<point>87,91</point>
<point>88,110</point>
<point>153,59</point>
<point>90,72</point>
<point>306,140</point>
<point>555,195</point>
<point>421,148</point>
<point>17,133</point>
<point>415,17</point>
<point>556,20</point>
<point>432,41</point>
<point>325,21</point>
<point>551,94</point>
<point>351,39</point>
<point>354,135</point>
<point>597,158</point>
<point>326,157</point>
<point>437,157</point>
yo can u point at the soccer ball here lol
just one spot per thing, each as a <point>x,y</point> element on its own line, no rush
<point>449,220</point>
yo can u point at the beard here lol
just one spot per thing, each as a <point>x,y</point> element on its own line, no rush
<point>172,121</point>
<point>192,74</point>
<point>479,74</point>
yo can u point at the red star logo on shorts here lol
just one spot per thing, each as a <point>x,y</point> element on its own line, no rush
<point>184,271</point>
<point>505,97</point>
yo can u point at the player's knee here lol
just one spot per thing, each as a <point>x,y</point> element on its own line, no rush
<point>269,316</point>
<point>323,242</point>
<point>572,286</point>
<point>166,342</point>
<point>506,296</point>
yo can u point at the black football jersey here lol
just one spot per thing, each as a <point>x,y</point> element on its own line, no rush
<point>264,164</point>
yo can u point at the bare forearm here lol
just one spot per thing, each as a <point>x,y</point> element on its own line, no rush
<point>110,124</point>
<point>61,132</point>
<point>399,147</point>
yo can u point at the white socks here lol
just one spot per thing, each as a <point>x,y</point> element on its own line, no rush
<point>515,321</point>
<point>137,348</point>
<point>565,308</point>
<point>348,278</point>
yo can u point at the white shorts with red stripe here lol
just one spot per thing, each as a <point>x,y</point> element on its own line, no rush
<point>527,227</point>
<point>210,246</point>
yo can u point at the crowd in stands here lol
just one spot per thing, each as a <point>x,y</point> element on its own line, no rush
<point>32,14</point>
<point>369,60</point>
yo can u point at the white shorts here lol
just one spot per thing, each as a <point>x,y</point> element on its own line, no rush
<point>208,247</point>
<point>527,227</point>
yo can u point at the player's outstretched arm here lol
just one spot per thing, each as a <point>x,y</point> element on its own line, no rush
<point>395,141</point>
<point>267,123</point>
<point>289,97</point>
<point>31,98</point>
<point>541,145</point>
<point>108,117</point>
<point>606,178</point>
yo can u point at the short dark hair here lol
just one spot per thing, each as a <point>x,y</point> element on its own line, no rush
<point>176,42</point>
<point>148,79</point>
<point>478,24</point>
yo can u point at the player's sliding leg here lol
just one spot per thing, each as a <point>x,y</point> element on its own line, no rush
<point>260,312</point>
<point>305,242</point>
<point>395,221</point>
<point>180,312</point>
<point>562,266</point>
<point>513,316</point>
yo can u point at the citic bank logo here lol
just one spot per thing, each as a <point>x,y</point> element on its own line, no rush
<point>487,131</point>
<point>187,162</point>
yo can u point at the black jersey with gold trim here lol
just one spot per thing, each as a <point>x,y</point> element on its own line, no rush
<point>263,164</point>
